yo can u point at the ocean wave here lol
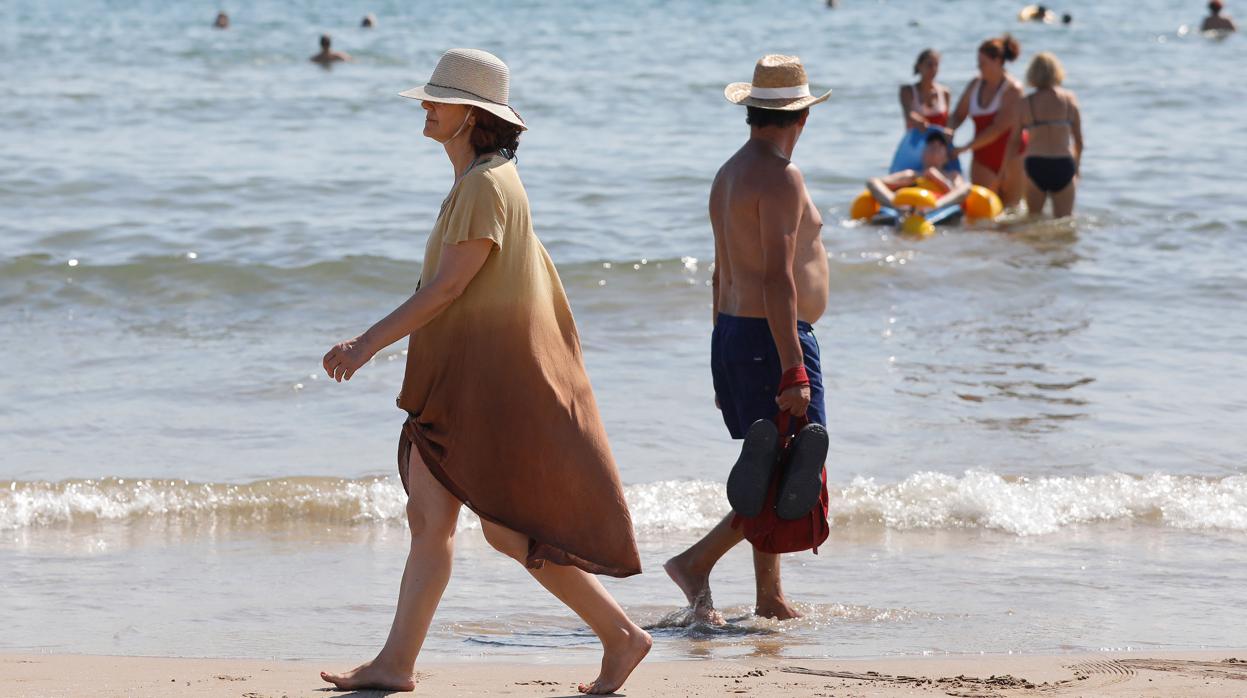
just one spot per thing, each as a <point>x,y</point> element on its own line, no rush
<point>925,500</point>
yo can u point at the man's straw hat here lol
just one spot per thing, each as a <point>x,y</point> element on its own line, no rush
<point>779,83</point>
<point>470,76</point>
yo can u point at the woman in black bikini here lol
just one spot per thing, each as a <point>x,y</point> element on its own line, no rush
<point>1050,115</point>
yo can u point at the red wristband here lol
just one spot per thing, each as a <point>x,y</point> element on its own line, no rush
<point>793,377</point>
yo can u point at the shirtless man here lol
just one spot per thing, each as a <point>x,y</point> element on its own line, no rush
<point>770,286</point>
<point>327,55</point>
<point>1217,22</point>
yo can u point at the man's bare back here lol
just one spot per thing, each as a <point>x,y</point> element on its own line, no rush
<point>759,173</point>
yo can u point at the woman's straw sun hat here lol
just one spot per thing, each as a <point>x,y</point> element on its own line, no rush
<point>470,76</point>
<point>779,83</point>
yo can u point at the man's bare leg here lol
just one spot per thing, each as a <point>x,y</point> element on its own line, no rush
<point>432,513</point>
<point>770,596</point>
<point>690,570</point>
<point>624,643</point>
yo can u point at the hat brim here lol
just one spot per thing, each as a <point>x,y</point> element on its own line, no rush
<point>738,93</point>
<point>449,95</point>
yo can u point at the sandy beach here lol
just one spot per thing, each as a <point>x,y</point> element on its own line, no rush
<point>1205,674</point>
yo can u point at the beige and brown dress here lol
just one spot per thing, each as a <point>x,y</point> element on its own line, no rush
<point>499,404</point>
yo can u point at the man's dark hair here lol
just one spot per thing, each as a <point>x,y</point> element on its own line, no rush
<point>325,41</point>
<point>763,118</point>
<point>937,135</point>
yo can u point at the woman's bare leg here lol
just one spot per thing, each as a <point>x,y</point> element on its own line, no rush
<point>983,175</point>
<point>431,515</point>
<point>1035,198</point>
<point>624,643</point>
<point>1063,201</point>
<point>1012,182</point>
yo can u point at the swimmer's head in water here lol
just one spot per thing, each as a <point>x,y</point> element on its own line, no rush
<point>1041,13</point>
<point>222,20</point>
<point>325,42</point>
<point>928,60</point>
<point>369,21</point>
<point>935,154</point>
<point>1067,18</point>
<point>1215,7</point>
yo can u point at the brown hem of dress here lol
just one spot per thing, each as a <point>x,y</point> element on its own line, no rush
<point>538,552</point>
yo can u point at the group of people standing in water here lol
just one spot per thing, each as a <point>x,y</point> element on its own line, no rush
<point>1025,145</point>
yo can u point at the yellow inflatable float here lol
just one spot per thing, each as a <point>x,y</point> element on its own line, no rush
<point>981,204</point>
<point>864,206</point>
<point>917,225</point>
<point>916,198</point>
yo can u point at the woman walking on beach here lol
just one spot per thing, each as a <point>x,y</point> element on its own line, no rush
<point>925,103</point>
<point>992,101</point>
<point>501,415</point>
<point>1050,115</point>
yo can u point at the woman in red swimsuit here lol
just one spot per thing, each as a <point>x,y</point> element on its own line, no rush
<point>925,103</point>
<point>993,101</point>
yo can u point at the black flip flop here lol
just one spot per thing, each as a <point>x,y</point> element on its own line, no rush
<point>751,476</point>
<point>802,480</point>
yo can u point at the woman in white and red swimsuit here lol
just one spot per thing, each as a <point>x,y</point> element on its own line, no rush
<point>998,144</point>
<point>925,103</point>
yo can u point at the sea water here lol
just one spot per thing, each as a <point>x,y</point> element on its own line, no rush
<point>1037,437</point>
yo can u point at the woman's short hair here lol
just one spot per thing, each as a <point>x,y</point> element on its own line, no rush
<point>493,134</point>
<point>762,118</point>
<point>1045,71</point>
<point>1004,48</point>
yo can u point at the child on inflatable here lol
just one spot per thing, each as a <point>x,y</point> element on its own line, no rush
<point>939,174</point>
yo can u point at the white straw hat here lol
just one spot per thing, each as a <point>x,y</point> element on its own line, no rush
<point>779,83</point>
<point>470,76</point>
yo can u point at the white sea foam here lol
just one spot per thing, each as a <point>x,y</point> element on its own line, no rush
<point>925,500</point>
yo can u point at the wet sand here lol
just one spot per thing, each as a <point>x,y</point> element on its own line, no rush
<point>1205,674</point>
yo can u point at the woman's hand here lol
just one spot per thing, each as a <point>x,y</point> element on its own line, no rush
<point>345,358</point>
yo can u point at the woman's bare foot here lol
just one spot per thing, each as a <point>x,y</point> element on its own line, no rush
<point>696,588</point>
<point>619,658</point>
<point>371,675</point>
<point>777,608</point>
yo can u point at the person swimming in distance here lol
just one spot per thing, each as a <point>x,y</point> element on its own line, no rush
<point>939,174</point>
<point>1067,19</point>
<point>1217,22</point>
<point>327,55</point>
<point>221,21</point>
<point>1036,13</point>
<point>369,21</point>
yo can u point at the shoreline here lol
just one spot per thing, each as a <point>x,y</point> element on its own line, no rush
<point>1192,674</point>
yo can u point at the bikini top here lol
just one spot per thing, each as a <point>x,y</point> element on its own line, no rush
<point>992,107</point>
<point>1067,121</point>
<point>940,106</point>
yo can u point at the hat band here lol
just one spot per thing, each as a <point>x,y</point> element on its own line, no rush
<point>779,92</point>
<point>483,99</point>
